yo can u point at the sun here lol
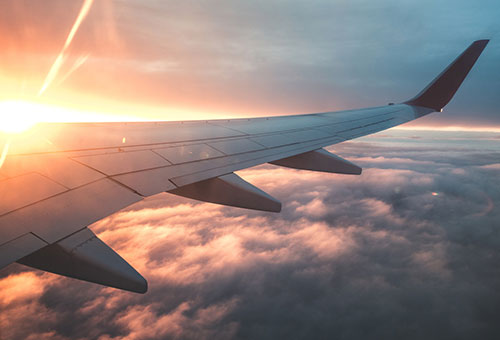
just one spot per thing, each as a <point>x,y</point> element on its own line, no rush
<point>18,116</point>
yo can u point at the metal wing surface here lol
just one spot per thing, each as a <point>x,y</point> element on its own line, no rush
<point>57,179</point>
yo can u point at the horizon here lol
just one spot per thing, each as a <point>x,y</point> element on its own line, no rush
<point>153,61</point>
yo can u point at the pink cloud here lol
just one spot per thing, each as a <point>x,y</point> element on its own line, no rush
<point>144,322</point>
<point>207,264</point>
<point>495,166</point>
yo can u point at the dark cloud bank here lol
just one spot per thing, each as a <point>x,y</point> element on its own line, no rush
<point>409,250</point>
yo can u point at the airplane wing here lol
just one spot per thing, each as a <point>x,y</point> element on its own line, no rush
<point>57,179</point>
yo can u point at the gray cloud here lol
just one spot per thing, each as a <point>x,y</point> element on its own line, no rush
<point>291,56</point>
<point>350,257</point>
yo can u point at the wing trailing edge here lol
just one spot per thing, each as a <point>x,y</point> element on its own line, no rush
<point>440,91</point>
<point>229,190</point>
<point>319,160</point>
<point>84,256</point>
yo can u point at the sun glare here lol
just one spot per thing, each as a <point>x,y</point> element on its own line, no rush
<point>19,116</point>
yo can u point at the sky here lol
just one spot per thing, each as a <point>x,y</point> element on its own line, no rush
<point>409,249</point>
<point>175,60</point>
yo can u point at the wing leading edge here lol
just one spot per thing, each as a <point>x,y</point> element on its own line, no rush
<point>61,178</point>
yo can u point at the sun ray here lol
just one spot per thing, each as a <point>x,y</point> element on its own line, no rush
<point>62,55</point>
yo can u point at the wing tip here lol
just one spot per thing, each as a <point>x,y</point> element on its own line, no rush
<point>480,44</point>
<point>442,89</point>
<point>141,287</point>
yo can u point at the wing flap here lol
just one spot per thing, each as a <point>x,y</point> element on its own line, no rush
<point>58,168</point>
<point>235,146</point>
<point>18,248</point>
<point>58,216</point>
<point>26,189</point>
<point>85,257</point>
<point>247,160</point>
<point>188,153</point>
<point>122,162</point>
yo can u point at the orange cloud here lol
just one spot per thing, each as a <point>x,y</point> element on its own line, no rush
<point>21,287</point>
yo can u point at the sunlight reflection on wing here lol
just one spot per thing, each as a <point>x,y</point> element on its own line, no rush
<point>5,151</point>
<point>18,116</point>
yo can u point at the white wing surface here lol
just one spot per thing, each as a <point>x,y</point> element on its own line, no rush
<point>59,178</point>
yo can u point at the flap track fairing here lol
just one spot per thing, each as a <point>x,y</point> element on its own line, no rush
<point>319,160</point>
<point>229,190</point>
<point>84,256</point>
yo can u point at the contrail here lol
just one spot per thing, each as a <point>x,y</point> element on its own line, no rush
<point>78,62</point>
<point>60,58</point>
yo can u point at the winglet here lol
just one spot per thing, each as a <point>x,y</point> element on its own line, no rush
<point>440,91</point>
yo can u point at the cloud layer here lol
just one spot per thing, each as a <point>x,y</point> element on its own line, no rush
<point>409,249</point>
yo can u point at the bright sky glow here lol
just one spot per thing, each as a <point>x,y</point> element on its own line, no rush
<point>18,116</point>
